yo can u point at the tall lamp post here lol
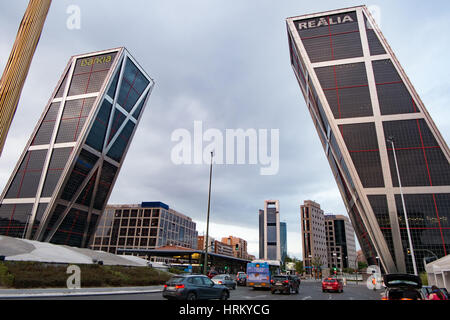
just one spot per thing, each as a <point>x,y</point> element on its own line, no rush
<point>391,140</point>
<point>205,267</point>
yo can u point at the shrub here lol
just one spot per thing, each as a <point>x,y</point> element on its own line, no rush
<point>6,279</point>
<point>40,275</point>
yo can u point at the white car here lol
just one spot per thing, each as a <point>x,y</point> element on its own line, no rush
<point>225,280</point>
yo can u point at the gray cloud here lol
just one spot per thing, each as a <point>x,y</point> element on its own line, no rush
<point>225,63</point>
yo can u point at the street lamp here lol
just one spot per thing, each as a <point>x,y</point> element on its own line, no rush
<point>391,140</point>
<point>205,267</point>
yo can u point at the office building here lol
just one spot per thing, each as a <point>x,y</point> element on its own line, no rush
<point>341,245</point>
<point>239,246</point>
<point>269,231</point>
<point>373,124</point>
<point>65,175</point>
<point>148,225</point>
<point>283,240</point>
<point>223,248</point>
<point>201,243</point>
<point>314,238</point>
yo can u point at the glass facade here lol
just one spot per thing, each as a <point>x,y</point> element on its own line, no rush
<point>143,227</point>
<point>359,97</point>
<point>62,182</point>
<point>269,231</point>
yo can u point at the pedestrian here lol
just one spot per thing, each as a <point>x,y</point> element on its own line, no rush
<point>436,294</point>
<point>374,282</point>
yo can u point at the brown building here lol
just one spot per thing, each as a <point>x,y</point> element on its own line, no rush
<point>360,256</point>
<point>239,246</point>
<point>314,236</point>
<point>223,248</point>
<point>215,246</point>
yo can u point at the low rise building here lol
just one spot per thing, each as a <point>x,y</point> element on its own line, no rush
<point>148,225</point>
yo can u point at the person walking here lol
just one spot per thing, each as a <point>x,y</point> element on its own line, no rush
<point>436,294</point>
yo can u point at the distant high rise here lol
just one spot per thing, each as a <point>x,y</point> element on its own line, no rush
<point>341,245</point>
<point>314,240</point>
<point>360,100</point>
<point>269,231</point>
<point>283,240</point>
<point>64,177</point>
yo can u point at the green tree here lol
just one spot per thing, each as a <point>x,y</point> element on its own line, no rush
<point>299,266</point>
<point>362,265</point>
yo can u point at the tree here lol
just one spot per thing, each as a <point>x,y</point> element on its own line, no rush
<point>299,266</point>
<point>362,265</point>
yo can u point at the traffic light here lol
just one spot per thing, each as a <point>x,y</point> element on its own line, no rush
<point>226,267</point>
<point>408,251</point>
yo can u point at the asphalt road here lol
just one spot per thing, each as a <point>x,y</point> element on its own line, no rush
<point>309,290</point>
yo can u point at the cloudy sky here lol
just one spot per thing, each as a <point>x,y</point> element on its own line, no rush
<point>224,63</point>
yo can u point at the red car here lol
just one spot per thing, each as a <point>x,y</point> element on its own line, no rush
<point>212,273</point>
<point>332,284</point>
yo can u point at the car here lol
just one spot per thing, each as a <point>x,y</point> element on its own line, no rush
<point>284,284</point>
<point>426,290</point>
<point>332,284</point>
<point>194,287</point>
<point>401,286</point>
<point>225,279</point>
<point>212,273</point>
<point>241,279</point>
<point>297,278</point>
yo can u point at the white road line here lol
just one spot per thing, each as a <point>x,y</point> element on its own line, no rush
<point>306,298</point>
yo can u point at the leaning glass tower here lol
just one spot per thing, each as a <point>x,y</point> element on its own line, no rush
<point>371,121</point>
<point>65,175</point>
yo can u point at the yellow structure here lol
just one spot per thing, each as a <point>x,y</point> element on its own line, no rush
<point>19,61</point>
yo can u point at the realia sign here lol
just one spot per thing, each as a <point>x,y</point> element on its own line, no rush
<point>325,21</point>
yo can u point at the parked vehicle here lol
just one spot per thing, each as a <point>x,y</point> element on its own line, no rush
<point>241,279</point>
<point>225,280</point>
<point>194,287</point>
<point>426,290</point>
<point>284,284</point>
<point>212,273</point>
<point>332,284</point>
<point>402,287</point>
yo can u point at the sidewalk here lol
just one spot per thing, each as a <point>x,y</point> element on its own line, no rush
<point>64,292</point>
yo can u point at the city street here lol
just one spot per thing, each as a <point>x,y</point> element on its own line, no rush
<point>309,290</point>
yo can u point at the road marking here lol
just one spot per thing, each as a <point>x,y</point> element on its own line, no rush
<point>306,298</point>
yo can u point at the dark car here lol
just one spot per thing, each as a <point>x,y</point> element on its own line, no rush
<point>194,287</point>
<point>241,279</point>
<point>284,284</point>
<point>402,287</point>
<point>332,284</point>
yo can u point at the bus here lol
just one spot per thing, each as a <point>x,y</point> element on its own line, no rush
<point>260,272</point>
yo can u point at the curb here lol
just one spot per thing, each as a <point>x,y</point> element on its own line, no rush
<point>75,294</point>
